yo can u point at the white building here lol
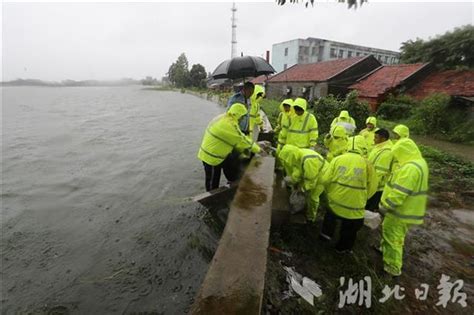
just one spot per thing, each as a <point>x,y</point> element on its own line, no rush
<point>310,50</point>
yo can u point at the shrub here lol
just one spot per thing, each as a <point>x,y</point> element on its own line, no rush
<point>431,115</point>
<point>359,110</point>
<point>325,110</point>
<point>397,107</point>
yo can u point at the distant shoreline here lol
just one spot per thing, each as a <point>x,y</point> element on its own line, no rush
<point>72,83</point>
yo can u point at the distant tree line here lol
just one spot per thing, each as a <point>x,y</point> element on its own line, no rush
<point>452,50</point>
<point>180,76</point>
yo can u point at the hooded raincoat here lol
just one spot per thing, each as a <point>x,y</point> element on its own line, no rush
<point>369,135</point>
<point>283,117</point>
<point>402,131</point>
<point>223,135</point>
<point>336,142</point>
<point>381,158</point>
<point>405,198</point>
<point>345,120</point>
<point>303,130</point>
<point>254,113</point>
<point>305,168</point>
<point>350,181</point>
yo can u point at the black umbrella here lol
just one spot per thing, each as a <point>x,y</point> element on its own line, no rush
<point>241,67</point>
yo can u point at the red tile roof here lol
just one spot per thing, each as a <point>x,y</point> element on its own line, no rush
<point>384,78</point>
<point>315,72</point>
<point>452,82</point>
<point>260,79</point>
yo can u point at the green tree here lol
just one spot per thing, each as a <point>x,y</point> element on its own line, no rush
<point>178,72</point>
<point>198,76</point>
<point>452,50</point>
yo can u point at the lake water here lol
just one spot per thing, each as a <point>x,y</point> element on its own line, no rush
<point>96,216</point>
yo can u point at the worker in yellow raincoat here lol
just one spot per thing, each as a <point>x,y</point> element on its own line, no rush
<point>369,132</point>
<point>336,142</point>
<point>222,136</point>
<point>381,158</point>
<point>349,182</point>
<point>255,119</point>
<point>303,127</point>
<point>404,199</point>
<point>401,132</point>
<point>286,111</point>
<point>345,120</point>
<point>304,168</point>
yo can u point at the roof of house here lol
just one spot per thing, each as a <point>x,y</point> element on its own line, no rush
<point>385,78</point>
<point>260,79</point>
<point>316,72</point>
<point>452,82</point>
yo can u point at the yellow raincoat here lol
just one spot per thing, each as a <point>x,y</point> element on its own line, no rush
<point>303,130</point>
<point>404,197</point>
<point>254,114</point>
<point>381,158</point>
<point>350,181</point>
<point>305,168</point>
<point>369,134</point>
<point>336,142</point>
<point>345,118</point>
<point>223,135</point>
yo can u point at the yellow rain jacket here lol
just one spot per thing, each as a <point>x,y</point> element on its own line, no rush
<point>254,114</point>
<point>224,135</point>
<point>362,145</point>
<point>305,168</point>
<point>405,195</point>
<point>402,131</point>
<point>350,180</point>
<point>369,134</point>
<point>283,117</point>
<point>336,142</point>
<point>381,158</point>
<point>343,118</point>
<point>303,130</point>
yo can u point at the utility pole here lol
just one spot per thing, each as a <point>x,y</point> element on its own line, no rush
<point>234,32</point>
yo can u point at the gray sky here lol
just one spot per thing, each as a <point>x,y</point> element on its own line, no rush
<point>56,41</point>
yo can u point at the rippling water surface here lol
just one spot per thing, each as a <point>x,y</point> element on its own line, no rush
<point>95,210</point>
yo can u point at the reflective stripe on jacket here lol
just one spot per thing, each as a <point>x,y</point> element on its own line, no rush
<point>221,137</point>
<point>302,131</point>
<point>350,180</point>
<point>405,195</point>
<point>381,158</point>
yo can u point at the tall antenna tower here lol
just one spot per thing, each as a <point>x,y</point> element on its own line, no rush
<point>234,32</point>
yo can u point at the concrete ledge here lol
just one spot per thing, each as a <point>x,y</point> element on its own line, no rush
<point>235,280</point>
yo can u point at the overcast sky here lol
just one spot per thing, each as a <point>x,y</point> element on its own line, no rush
<point>56,41</point>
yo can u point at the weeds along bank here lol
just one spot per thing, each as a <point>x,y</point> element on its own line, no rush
<point>438,115</point>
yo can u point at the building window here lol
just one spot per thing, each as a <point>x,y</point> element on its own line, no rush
<point>285,66</point>
<point>313,50</point>
<point>341,53</point>
<point>358,53</point>
<point>386,59</point>
<point>349,54</point>
<point>286,51</point>
<point>305,51</point>
<point>379,58</point>
<point>333,53</point>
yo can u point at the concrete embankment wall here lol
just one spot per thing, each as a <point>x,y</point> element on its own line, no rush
<point>235,280</point>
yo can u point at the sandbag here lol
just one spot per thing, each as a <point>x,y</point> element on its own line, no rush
<point>372,219</point>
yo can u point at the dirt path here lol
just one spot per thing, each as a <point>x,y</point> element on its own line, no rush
<point>442,246</point>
